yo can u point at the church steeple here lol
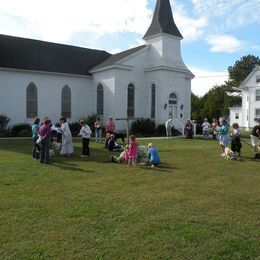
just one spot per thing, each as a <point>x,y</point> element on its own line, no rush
<point>163,21</point>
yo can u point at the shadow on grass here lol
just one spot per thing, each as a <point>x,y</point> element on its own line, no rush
<point>163,167</point>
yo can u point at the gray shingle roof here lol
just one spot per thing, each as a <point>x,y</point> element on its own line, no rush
<point>117,57</point>
<point>27,54</point>
<point>163,21</point>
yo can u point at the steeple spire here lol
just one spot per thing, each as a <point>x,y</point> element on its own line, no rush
<point>162,21</point>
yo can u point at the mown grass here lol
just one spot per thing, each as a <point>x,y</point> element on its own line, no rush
<point>196,205</point>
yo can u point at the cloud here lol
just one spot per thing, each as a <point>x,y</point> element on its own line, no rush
<point>224,43</point>
<point>228,15</point>
<point>184,21</point>
<point>205,80</point>
<point>57,20</point>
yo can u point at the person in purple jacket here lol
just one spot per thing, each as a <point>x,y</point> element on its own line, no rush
<point>45,138</point>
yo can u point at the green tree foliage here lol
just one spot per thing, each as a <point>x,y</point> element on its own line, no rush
<point>216,102</point>
<point>241,70</point>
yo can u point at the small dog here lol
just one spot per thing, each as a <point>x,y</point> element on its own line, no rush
<point>257,156</point>
<point>121,136</point>
<point>229,154</point>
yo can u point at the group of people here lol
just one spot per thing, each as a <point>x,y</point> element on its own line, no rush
<point>224,134</point>
<point>129,155</point>
<point>43,134</point>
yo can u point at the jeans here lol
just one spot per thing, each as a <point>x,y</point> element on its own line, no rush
<point>98,133</point>
<point>45,151</point>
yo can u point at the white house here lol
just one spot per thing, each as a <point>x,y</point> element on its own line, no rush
<point>49,79</point>
<point>250,90</point>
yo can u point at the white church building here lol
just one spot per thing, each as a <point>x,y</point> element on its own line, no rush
<point>40,78</point>
<point>246,115</point>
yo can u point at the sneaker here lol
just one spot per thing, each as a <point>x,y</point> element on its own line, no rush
<point>82,156</point>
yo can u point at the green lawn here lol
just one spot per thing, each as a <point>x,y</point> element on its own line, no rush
<point>196,205</point>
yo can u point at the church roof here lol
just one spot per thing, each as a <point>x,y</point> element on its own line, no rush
<point>117,57</point>
<point>27,54</point>
<point>163,21</point>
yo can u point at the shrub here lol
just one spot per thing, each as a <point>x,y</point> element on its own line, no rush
<point>23,130</point>
<point>4,120</point>
<point>161,131</point>
<point>74,128</point>
<point>145,127</point>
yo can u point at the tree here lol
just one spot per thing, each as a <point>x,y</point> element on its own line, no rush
<point>240,70</point>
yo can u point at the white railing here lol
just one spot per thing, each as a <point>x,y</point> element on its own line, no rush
<point>178,125</point>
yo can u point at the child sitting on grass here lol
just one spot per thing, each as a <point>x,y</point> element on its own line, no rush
<point>123,157</point>
<point>153,155</point>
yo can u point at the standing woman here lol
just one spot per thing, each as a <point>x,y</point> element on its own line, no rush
<point>66,144</point>
<point>45,135</point>
<point>98,129</point>
<point>35,131</point>
<point>223,130</point>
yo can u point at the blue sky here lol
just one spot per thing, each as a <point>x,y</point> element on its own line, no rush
<point>216,32</point>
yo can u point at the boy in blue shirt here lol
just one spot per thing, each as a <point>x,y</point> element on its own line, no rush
<point>153,155</point>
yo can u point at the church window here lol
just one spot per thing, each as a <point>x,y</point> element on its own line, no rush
<point>130,100</point>
<point>153,101</point>
<point>66,102</point>
<point>237,116</point>
<point>100,100</point>
<point>257,95</point>
<point>31,101</point>
<point>172,99</point>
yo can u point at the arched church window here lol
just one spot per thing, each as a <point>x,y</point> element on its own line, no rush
<point>66,102</point>
<point>31,100</point>
<point>173,99</point>
<point>130,100</point>
<point>153,101</point>
<point>100,100</point>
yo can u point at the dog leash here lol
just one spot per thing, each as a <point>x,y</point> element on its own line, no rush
<point>246,142</point>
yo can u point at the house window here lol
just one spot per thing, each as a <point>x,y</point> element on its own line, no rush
<point>257,78</point>
<point>66,102</point>
<point>130,100</point>
<point>100,100</point>
<point>153,101</point>
<point>257,113</point>
<point>257,95</point>
<point>237,116</point>
<point>31,101</point>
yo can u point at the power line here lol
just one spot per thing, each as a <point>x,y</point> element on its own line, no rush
<point>212,76</point>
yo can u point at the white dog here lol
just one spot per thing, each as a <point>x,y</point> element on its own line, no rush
<point>52,153</point>
<point>229,154</point>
